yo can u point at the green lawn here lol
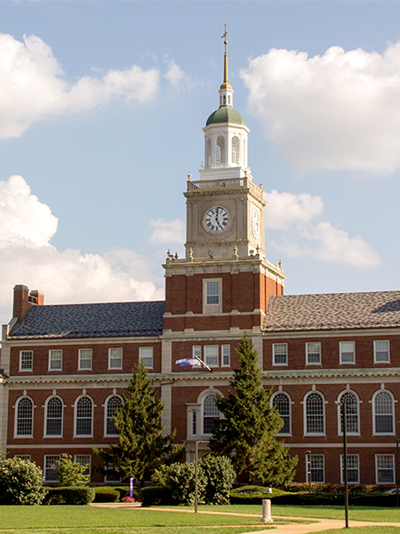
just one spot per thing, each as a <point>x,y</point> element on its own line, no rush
<point>365,530</point>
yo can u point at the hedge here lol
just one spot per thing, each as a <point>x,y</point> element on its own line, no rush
<point>156,495</point>
<point>106,494</point>
<point>70,495</point>
<point>359,499</point>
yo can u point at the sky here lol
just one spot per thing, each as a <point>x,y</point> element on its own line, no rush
<point>102,105</point>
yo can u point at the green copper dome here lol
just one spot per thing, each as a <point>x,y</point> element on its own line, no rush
<point>225,114</point>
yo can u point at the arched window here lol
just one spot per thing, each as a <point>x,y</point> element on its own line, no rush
<point>112,406</point>
<point>281,402</point>
<point>315,414</point>
<point>208,153</point>
<point>24,419</point>
<point>210,413</point>
<point>235,150</point>
<point>83,417</point>
<point>54,413</point>
<point>351,401</point>
<point>384,413</point>
<point>221,149</point>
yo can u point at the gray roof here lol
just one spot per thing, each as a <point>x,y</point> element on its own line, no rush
<point>119,319</point>
<point>335,311</point>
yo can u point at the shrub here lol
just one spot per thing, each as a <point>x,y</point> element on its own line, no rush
<point>20,482</point>
<point>179,478</point>
<point>128,499</point>
<point>156,495</point>
<point>106,494</point>
<point>255,497</point>
<point>70,495</point>
<point>219,475</point>
<point>70,473</point>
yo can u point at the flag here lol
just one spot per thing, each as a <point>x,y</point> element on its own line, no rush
<point>188,361</point>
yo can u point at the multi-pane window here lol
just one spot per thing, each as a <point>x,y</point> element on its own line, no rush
<point>197,351</point>
<point>347,352</point>
<point>353,468</point>
<point>210,413</point>
<point>384,413</point>
<point>315,414</point>
<point>146,356</point>
<point>235,149</point>
<point>279,353</point>
<point>26,457</point>
<point>51,464</point>
<point>112,406</point>
<point>54,413</point>
<point>351,401</point>
<point>24,418</point>
<point>384,468</point>
<point>111,474</point>
<point>55,360</point>
<point>84,416</point>
<point>212,293</point>
<point>225,355</point>
<point>381,352</point>
<point>211,355</point>
<point>26,360</point>
<point>208,153</point>
<point>194,422</point>
<point>115,358</point>
<point>85,359</point>
<point>313,352</point>
<point>315,468</point>
<point>84,460</point>
<point>281,402</point>
<point>220,149</point>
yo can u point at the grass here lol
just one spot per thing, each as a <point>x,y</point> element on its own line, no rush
<point>365,530</point>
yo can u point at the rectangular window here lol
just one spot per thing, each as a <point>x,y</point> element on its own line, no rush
<point>212,295</point>
<point>111,475</point>
<point>115,358</point>
<point>83,459</point>
<point>381,352</point>
<point>146,356</point>
<point>23,457</point>
<point>51,464</point>
<point>197,351</point>
<point>313,353</point>
<point>226,355</point>
<point>85,359</point>
<point>315,468</point>
<point>211,355</point>
<point>194,423</point>
<point>347,352</point>
<point>55,360</point>
<point>26,360</point>
<point>353,468</point>
<point>384,468</point>
<point>279,353</point>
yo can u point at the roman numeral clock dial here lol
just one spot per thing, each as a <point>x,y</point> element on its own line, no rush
<point>216,219</point>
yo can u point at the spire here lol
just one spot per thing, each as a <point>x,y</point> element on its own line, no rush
<point>226,84</point>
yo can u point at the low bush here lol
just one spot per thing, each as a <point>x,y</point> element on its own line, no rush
<point>156,495</point>
<point>70,495</point>
<point>106,494</point>
<point>219,475</point>
<point>179,479</point>
<point>21,482</point>
<point>359,499</point>
<point>335,489</point>
<point>253,494</point>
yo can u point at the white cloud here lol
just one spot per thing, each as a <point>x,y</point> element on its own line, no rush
<point>27,257</point>
<point>337,111</point>
<point>167,231</point>
<point>177,78</point>
<point>33,86</point>
<point>299,233</point>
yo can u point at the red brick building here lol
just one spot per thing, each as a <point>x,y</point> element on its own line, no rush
<point>65,366</point>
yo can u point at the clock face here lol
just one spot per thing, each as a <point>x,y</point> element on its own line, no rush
<point>216,219</point>
<point>255,224</point>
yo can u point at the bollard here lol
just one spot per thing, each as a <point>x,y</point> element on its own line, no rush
<point>266,517</point>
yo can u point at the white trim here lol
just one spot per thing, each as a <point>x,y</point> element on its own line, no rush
<point>290,411</point>
<point>225,355</point>
<point>45,468</point>
<point>311,470</point>
<point>344,351</point>
<point>308,353</point>
<point>23,436</point>
<point>376,469</point>
<point>89,463</point>
<point>375,351</point>
<point>305,433</point>
<point>51,351</point>
<point>120,357</point>
<point>80,368</point>
<point>274,355</point>
<point>105,413</point>
<point>213,347</point>
<point>374,433</point>
<point>75,435</point>
<point>209,309</point>
<point>342,468</point>
<point>30,370</point>
<point>339,414</point>
<point>45,435</point>
<point>143,358</point>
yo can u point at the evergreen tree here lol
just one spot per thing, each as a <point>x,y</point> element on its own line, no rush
<point>141,446</point>
<point>70,473</point>
<point>247,432</point>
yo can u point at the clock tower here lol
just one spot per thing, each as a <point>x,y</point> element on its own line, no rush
<point>225,280</point>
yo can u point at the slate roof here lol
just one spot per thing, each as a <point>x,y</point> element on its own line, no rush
<point>335,311</point>
<point>119,319</point>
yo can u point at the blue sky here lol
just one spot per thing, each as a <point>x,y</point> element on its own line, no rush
<point>102,106</point>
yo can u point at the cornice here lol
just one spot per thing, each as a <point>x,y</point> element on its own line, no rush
<point>333,374</point>
<point>34,341</point>
<point>335,332</point>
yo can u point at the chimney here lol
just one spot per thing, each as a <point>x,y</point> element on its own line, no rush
<point>23,300</point>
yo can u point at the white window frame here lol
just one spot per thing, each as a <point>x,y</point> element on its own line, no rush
<point>377,469</point>
<point>289,416</point>
<point>309,458</point>
<point>24,353</point>
<point>309,353</point>
<point>196,351</point>
<point>209,394</point>
<point>106,413</point>
<point>214,307</point>
<point>115,358</point>
<point>376,352</point>
<point>306,433</point>
<point>53,362</point>
<point>16,435</point>
<point>146,355</point>
<point>78,460</point>
<point>339,414</point>
<point>225,355</point>
<point>349,468</point>
<point>46,468</point>
<point>274,354</point>
<point>212,360</point>
<point>342,346</point>
<point>46,435</point>
<point>76,419</point>
<point>374,414</point>
<point>86,359</point>
<point>26,457</point>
